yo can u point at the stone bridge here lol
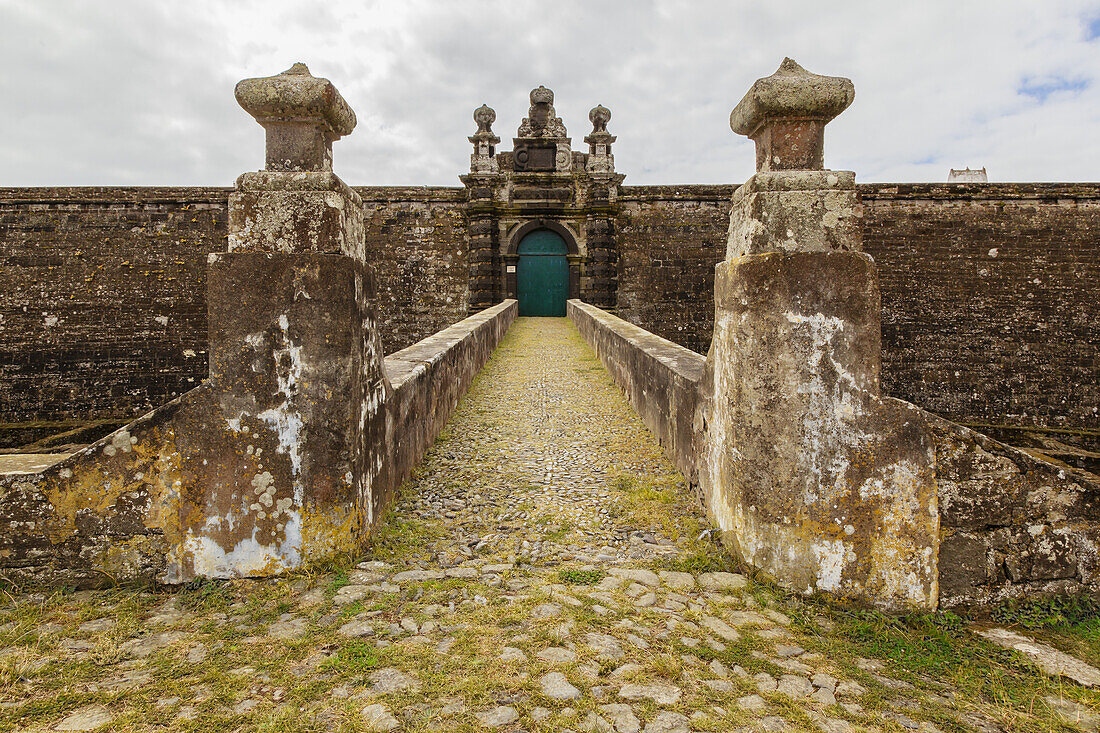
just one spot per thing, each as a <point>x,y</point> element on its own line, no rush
<point>294,447</point>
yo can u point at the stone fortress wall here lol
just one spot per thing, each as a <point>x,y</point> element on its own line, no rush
<point>988,290</point>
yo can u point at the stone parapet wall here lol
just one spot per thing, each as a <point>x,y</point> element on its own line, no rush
<point>416,241</point>
<point>669,239</point>
<point>660,378</point>
<point>115,511</point>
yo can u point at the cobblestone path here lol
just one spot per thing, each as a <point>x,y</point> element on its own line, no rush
<point>528,467</point>
<point>545,570</point>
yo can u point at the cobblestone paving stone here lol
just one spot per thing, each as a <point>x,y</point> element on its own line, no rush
<point>545,570</point>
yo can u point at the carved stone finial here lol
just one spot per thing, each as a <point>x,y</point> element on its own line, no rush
<point>483,159</point>
<point>485,116</point>
<point>785,115</point>
<point>599,117</point>
<point>542,120</point>
<point>302,115</point>
<point>600,159</point>
<point>541,95</point>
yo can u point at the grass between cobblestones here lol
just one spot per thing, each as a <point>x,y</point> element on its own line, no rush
<point>932,667</point>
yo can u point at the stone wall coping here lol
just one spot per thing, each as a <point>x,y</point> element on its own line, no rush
<point>681,361</point>
<point>449,194</point>
<point>207,194</point>
<point>680,192</point>
<point>979,191</point>
<point>114,194</point>
<point>402,365</point>
<point>455,194</point>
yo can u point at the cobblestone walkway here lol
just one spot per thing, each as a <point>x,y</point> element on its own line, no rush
<point>529,466</point>
<point>545,570</point>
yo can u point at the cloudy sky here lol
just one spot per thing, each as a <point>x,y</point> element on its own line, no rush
<point>140,92</point>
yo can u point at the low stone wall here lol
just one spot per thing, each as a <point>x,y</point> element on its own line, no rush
<point>428,380</point>
<point>1011,524</point>
<point>116,511</point>
<point>660,378</point>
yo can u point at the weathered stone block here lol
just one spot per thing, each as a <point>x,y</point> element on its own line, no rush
<point>810,475</point>
<point>795,211</point>
<point>1049,556</point>
<point>296,212</point>
<point>970,560</point>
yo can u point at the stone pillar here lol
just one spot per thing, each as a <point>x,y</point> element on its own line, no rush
<point>484,157</point>
<point>599,225</point>
<point>484,255</point>
<point>296,384</point>
<point>811,475</point>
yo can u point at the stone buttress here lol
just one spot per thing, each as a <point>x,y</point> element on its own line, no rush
<point>272,461</point>
<point>811,475</point>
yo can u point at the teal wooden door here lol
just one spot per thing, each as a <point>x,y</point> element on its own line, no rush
<point>542,274</point>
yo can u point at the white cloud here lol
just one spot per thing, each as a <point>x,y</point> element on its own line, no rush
<point>131,92</point>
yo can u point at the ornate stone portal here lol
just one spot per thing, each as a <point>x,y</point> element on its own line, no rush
<point>542,184</point>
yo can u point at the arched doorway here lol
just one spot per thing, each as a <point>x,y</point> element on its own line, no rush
<point>542,274</point>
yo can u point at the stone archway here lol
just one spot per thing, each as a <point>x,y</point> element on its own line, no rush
<point>512,255</point>
<point>542,274</point>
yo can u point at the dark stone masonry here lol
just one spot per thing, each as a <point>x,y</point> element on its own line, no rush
<point>104,307</point>
<point>989,297</point>
<point>104,310</point>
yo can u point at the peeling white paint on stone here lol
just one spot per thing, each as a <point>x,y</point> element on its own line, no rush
<point>248,557</point>
<point>830,555</point>
<point>285,419</point>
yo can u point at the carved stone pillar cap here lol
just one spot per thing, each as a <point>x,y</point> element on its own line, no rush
<point>791,93</point>
<point>296,96</point>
